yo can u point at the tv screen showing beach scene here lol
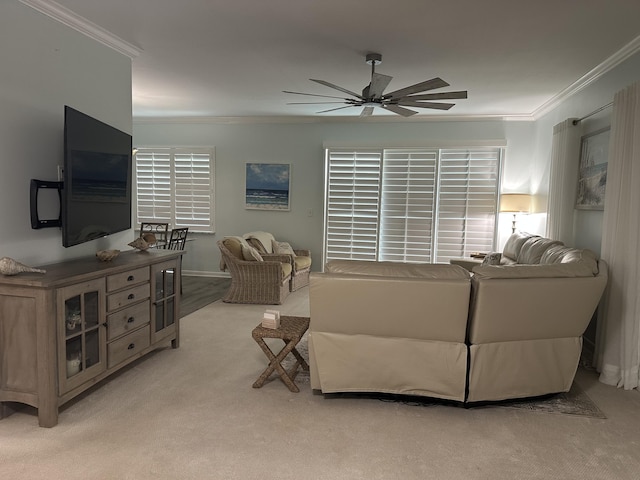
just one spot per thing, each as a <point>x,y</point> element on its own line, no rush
<point>267,186</point>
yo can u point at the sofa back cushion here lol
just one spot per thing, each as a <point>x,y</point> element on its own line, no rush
<point>533,249</point>
<point>514,243</point>
<point>566,255</point>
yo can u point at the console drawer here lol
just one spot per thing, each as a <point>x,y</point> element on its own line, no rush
<point>128,319</point>
<point>132,277</point>
<point>128,297</point>
<point>127,346</point>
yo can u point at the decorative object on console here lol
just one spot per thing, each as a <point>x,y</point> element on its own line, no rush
<point>139,243</point>
<point>515,203</point>
<point>107,255</point>
<point>149,237</point>
<point>9,266</point>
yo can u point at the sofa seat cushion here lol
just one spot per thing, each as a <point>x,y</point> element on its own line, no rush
<point>561,254</point>
<point>395,269</point>
<point>558,270</point>
<point>512,247</point>
<point>533,249</point>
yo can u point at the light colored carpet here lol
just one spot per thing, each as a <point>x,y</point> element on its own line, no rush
<point>191,413</point>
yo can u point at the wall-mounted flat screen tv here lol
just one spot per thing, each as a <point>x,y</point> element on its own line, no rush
<point>96,193</point>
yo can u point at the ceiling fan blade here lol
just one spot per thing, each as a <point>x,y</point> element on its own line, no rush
<point>312,103</point>
<point>438,96</point>
<point>437,106</point>
<point>313,94</point>
<point>333,109</point>
<point>418,87</point>
<point>405,112</point>
<point>378,83</point>
<point>367,112</point>
<point>331,85</point>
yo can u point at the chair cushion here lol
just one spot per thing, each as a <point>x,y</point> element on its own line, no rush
<point>234,245</point>
<point>240,249</point>
<point>286,270</point>
<point>302,263</point>
<point>251,254</point>
<point>264,240</point>
<point>282,248</point>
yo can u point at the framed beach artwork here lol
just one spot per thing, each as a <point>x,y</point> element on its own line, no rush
<point>592,173</point>
<point>267,186</point>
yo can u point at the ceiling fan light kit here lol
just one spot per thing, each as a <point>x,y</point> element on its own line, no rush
<point>373,95</point>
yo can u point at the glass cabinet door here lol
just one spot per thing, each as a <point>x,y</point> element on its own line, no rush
<point>165,289</point>
<point>81,323</point>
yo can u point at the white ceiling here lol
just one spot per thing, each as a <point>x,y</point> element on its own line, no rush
<point>229,58</point>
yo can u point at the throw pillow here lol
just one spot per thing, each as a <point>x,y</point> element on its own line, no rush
<point>492,259</point>
<point>251,254</point>
<point>283,248</point>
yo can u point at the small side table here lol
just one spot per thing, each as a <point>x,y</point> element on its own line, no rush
<point>291,331</point>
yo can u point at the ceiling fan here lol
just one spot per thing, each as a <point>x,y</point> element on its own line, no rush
<point>373,97</point>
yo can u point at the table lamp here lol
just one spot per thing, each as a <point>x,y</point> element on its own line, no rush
<point>515,203</point>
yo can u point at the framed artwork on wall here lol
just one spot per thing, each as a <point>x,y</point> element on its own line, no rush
<point>267,186</point>
<point>592,172</point>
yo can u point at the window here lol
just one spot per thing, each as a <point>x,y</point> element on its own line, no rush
<point>411,205</point>
<point>176,185</point>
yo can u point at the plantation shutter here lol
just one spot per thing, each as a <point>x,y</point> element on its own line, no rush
<point>467,202</point>
<point>353,195</point>
<point>176,185</point>
<point>408,205</point>
<point>153,186</point>
<point>194,182</point>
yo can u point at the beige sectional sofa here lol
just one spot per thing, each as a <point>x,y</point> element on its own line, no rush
<point>505,331</point>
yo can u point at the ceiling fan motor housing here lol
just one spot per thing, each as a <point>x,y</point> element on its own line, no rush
<point>373,59</point>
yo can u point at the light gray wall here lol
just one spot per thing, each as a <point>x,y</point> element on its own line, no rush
<point>46,65</point>
<point>301,145</point>
<point>587,223</point>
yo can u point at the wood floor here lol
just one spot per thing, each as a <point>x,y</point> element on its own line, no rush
<point>198,292</point>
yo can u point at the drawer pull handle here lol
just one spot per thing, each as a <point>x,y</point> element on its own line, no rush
<point>130,278</point>
<point>130,320</point>
<point>131,296</point>
<point>131,346</point>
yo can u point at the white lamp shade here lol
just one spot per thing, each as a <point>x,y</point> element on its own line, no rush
<point>515,202</point>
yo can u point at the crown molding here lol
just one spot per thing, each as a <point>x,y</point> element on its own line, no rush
<point>609,64</point>
<point>84,26</point>
<point>283,119</point>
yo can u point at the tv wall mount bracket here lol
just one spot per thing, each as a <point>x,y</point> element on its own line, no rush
<point>35,187</point>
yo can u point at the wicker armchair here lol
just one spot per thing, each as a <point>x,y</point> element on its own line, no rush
<point>252,281</point>
<point>300,260</point>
